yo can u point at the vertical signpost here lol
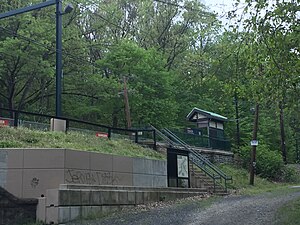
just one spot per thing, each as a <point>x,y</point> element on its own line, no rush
<point>254,143</point>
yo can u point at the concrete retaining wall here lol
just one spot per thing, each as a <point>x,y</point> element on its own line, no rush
<point>75,202</point>
<point>28,173</point>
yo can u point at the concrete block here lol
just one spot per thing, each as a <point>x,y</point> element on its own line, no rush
<point>114,197</point>
<point>106,196</point>
<point>159,167</point>
<point>160,181</point>
<point>64,214</point>
<point>41,210</point>
<point>63,198</point>
<point>52,197</point>
<point>44,158</point>
<point>85,197</point>
<point>139,197</point>
<point>123,197</point>
<point>147,197</point>
<point>77,159</point>
<point>96,197</point>
<point>131,197</point>
<point>142,166</point>
<point>3,159</point>
<point>12,181</point>
<point>154,197</point>
<point>52,215</point>
<point>37,181</point>
<point>74,197</point>
<point>122,164</point>
<point>101,161</point>
<point>3,174</point>
<point>142,180</point>
<point>122,179</point>
<point>58,125</point>
<point>11,158</point>
<point>86,212</point>
<point>75,212</point>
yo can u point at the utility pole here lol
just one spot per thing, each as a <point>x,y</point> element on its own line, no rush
<point>254,144</point>
<point>237,120</point>
<point>126,101</point>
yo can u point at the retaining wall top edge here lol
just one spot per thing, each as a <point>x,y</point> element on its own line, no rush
<point>88,151</point>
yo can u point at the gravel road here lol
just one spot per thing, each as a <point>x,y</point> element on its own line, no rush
<point>229,210</point>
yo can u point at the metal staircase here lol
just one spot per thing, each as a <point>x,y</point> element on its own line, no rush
<point>218,176</point>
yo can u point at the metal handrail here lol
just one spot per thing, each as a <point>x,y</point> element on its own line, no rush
<point>16,114</point>
<point>207,167</point>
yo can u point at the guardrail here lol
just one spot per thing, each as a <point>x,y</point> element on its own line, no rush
<point>143,136</point>
<point>218,176</point>
<point>203,141</point>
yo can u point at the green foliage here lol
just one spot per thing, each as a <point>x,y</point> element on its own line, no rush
<point>288,214</point>
<point>290,174</point>
<point>241,181</point>
<point>175,57</point>
<point>25,138</point>
<point>268,163</point>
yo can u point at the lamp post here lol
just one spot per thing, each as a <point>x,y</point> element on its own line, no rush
<point>58,57</point>
<point>59,13</point>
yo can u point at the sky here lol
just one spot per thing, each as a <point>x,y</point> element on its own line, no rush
<point>221,7</point>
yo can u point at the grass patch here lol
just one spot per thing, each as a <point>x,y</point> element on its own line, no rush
<point>288,214</point>
<point>25,138</point>
<point>241,182</point>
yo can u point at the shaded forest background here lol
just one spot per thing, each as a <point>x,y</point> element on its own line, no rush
<point>174,55</point>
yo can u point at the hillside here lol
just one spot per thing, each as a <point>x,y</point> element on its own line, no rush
<point>25,138</point>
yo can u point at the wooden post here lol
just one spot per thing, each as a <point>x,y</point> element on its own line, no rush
<point>253,154</point>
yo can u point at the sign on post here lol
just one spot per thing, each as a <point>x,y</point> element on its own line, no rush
<point>3,123</point>
<point>254,142</point>
<point>102,135</point>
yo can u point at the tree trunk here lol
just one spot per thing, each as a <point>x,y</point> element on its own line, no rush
<point>237,121</point>
<point>282,133</point>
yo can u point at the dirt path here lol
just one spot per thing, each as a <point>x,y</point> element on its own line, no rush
<point>231,210</point>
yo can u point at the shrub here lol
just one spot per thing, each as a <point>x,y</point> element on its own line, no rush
<point>290,174</point>
<point>269,163</point>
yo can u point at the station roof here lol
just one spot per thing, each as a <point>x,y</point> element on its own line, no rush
<point>207,114</point>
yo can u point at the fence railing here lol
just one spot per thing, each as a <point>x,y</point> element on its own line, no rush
<point>17,118</point>
<point>203,141</point>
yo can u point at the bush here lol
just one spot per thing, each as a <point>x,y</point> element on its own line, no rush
<point>290,174</point>
<point>269,163</point>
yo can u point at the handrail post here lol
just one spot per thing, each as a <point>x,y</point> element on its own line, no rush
<point>109,133</point>
<point>67,125</point>
<point>136,136</point>
<point>214,183</point>
<point>16,119</point>
<point>154,140</point>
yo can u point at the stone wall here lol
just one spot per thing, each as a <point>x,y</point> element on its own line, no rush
<point>28,173</point>
<point>15,211</point>
<point>217,156</point>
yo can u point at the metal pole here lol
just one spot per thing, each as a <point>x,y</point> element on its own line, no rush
<point>58,56</point>
<point>27,9</point>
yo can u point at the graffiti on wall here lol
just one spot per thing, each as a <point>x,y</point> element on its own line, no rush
<point>34,182</point>
<point>90,177</point>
